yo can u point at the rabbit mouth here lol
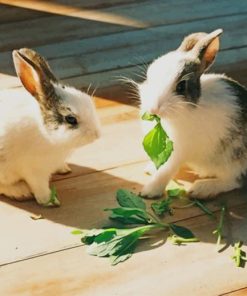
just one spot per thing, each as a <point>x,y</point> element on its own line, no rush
<point>164,111</point>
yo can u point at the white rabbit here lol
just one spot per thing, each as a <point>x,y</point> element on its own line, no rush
<point>205,115</point>
<point>40,128</point>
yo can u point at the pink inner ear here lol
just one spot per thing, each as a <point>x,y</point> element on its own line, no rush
<point>27,75</point>
<point>27,78</point>
<point>212,50</point>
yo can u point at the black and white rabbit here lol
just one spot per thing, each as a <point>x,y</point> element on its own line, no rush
<point>205,116</point>
<point>39,128</point>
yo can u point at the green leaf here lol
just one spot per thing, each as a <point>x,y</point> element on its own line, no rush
<point>104,243</point>
<point>118,244</point>
<point>176,192</point>
<point>162,207</point>
<point>128,199</point>
<point>127,220</point>
<point>156,143</point>
<point>127,215</point>
<point>150,117</point>
<point>88,236</point>
<point>181,231</point>
<point>117,259</point>
<point>76,232</point>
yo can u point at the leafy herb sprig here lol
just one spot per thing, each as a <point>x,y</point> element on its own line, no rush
<point>239,256</point>
<point>174,193</point>
<point>119,243</point>
<point>219,230</point>
<point>156,143</point>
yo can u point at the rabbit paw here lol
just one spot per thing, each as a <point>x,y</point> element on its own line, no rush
<point>64,170</point>
<point>209,188</point>
<point>53,200</point>
<point>152,190</point>
<point>44,196</point>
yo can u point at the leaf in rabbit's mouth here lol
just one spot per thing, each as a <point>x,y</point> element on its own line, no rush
<point>156,143</point>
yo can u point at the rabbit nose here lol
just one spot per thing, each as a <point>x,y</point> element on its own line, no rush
<point>154,110</point>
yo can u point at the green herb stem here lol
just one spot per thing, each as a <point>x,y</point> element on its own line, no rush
<point>219,228</point>
<point>180,240</point>
<point>204,208</point>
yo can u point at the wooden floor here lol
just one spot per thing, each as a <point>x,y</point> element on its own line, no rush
<point>94,42</point>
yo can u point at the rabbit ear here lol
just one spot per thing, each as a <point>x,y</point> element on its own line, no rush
<point>34,73</point>
<point>190,41</point>
<point>207,48</point>
<point>204,46</point>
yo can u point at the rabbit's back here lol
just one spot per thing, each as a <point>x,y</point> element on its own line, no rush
<point>20,123</point>
<point>17,107</point>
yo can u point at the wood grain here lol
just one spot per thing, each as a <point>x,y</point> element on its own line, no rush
<point>18,10</point>
<point>195,269</point>
<point>127,17</point>
<point>86,68</point>
<point>241,292</point>
<point>84,46</point>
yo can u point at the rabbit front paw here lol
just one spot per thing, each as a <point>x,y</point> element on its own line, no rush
<point>53,200</point>
<point>43,195</point>
<point>152,190</point>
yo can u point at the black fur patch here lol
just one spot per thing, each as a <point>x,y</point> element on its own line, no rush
<point>191,76</point>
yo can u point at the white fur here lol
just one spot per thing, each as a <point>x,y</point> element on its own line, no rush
<point>29,152</point>
<point>195,131</point>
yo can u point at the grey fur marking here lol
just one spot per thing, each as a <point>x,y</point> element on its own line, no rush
<point>237,137</point>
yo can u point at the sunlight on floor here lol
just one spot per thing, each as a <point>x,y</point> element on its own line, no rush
<point>88,14</point>
<point>8,81</point>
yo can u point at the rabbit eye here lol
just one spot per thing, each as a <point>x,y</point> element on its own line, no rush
<point>71,120</point>
<point>181,87</point>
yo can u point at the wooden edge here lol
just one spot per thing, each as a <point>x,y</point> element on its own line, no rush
<point>240,292</point>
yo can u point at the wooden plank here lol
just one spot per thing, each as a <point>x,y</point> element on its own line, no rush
<point>9,14</point>
<point>139,47</point>
<point>232,62</point>
<point>110,20</point>
<point>61,5</point>
<point>186,270</point>
<point>174,33</point>
<point>16,11</point>
<point>109,85</point>
<point>83,199</point>
<point>135,47</point>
